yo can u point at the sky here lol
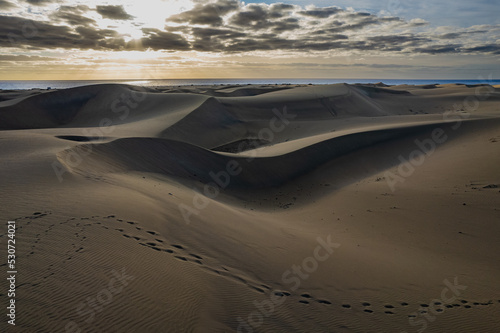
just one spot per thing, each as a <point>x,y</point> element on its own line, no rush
<point>183,39</point>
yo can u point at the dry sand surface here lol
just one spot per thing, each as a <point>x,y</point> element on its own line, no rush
<point>336,208</point>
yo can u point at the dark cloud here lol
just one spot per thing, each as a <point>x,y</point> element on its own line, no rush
<point>259,17</point>
<point>451,35</point>
<point>489,48</point>
<point>6,5</point>
<point>206,14</point>
<point>418,23</point>
<point>90,33</point>
<point>286,25</point>
<point>41,2</point>
<point>214,32</point>
<point>22,33</point>
<point>321,12</point>
<point>72,15</point>
<point>455,35</point>
<point>161,40</point>
<point>360,22</point>
<point>439,49</point>
<point>114,12</point>
<point>279,10</point>
<point>398,41</point>
<point>255,17</point>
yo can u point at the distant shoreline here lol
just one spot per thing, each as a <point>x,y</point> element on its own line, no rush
<point>54,84</point>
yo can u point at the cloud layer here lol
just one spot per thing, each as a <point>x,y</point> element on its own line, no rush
<point>229,26</point>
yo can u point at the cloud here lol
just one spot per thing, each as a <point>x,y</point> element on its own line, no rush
<point>23,33</point>
<point>231,26</point>
<point>356,22</point>
<point>278,10</point>
<point>398,40</point>
<point>439,49</point>
<point>206,14</point>
<point>41,2</point>
<point>72,15</point>
<point>6,5</point>
<point>24,58</point>
<point>258,17</point>
<point>114,12</point>
<point>321,12</point>
<point>489,48</point>
<point>160,40</point>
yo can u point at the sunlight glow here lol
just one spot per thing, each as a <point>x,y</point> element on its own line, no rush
<point>152,13</point>
<point>146,13</point>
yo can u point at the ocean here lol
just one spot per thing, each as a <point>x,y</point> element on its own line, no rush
<point>15,85</point>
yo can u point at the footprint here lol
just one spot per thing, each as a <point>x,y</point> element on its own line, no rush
<point>389,307</point>
<point>389,312</point>
<point>240,279</point>
<point>178,246</point>
<point>306,296</point>
<point>404,304</point>
<point>181,258</point>
<point>303,302</point>
<point>368,311</point>
<point>366,304</point>
<point>321,301</point>
<point>152,233</point>
<point>347,306</point>
<point>195,256</point>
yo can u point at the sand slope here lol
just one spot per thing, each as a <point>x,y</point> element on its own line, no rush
<point>207,204</point>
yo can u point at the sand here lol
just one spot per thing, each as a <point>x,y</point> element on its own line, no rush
<point>335,208</point>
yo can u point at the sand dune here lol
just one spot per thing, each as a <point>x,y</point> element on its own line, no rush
<point>216,204</point>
